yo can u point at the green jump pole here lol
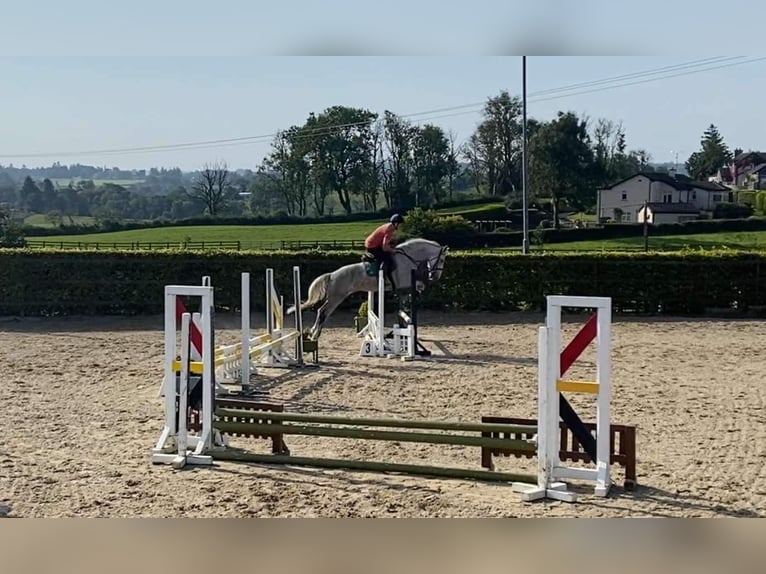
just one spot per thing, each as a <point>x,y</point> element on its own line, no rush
<point>402,436</point>
<point>446,472</point>
<point>333,419</point>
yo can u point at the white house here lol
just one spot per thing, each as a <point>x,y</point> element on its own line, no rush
<point>672,198</point>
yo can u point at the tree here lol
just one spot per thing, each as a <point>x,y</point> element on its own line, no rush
<point>562,162</point>
<point>713,155</point>
<point>11,234</point>
<point>31,196</point>
<point>289,169</point>
<point>495,147</point>
<point>397,176</point>
<point>453,165</point>
<point>430,153</point>
<point>211,187</point>
<point>341,148</point>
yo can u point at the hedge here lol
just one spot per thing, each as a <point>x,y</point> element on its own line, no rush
<point>51,282</point>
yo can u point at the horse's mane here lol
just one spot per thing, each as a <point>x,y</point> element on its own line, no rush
<point>409,242</point>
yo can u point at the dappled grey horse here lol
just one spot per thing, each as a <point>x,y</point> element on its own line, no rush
<point>329,290</point>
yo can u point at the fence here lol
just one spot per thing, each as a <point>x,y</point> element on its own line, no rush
<point>132,245</point>
<point>296,245</point>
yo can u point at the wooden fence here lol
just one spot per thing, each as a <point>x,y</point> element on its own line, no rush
<point>352,244</point>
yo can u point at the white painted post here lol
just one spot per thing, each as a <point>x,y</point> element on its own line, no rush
<point>544,415</point>
<point>298,313</point>
<point>380,335</point>
<point>208,374</point>
<point>604,380</point>
<point>269,301</point>
<point>170,353</point>
<point>183,388</point>
<point>245,335</point>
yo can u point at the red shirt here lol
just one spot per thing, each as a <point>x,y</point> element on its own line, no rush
<point>381,237</point>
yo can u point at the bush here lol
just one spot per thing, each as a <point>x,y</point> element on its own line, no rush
<point>732,211</point>
<point>746,198</point>
<point>441,228</point>
<point>760,202</point>
<point>11,233</point>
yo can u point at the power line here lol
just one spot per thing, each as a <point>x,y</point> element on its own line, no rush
<point>683,69</point>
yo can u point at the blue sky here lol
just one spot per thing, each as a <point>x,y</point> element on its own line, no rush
<point>92,77</point>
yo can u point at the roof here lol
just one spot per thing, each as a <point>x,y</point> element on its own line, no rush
<point>673,208</point>
<point>709,185</point>
<point>756,169</point>
<point>739,157</point>
<point>680,182</point>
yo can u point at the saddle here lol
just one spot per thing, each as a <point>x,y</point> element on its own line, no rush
<point>371,267</point>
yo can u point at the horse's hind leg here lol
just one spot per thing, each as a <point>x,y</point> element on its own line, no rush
<point>327,309</point>
<point>321,317</point>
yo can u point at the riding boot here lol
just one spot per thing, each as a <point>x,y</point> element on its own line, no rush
<point>389,275</point>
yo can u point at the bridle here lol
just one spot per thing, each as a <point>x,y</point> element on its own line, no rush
<point>424,270</point>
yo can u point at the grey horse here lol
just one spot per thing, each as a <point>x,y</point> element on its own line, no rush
<point>329,290</point>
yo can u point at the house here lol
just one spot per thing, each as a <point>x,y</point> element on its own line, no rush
<point>656,213</point>
<point>746,171</point>
<point>624,200</point>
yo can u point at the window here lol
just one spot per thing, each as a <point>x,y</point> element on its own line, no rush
<point>694,195</point>
<point>624,195</point>
<point>626,217</point>
<point>667,198</point>
<point>716,197</point>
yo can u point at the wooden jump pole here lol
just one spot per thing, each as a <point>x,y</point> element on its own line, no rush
<point>373,466</point>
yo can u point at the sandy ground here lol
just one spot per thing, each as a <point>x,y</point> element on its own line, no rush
<point>79,414</point>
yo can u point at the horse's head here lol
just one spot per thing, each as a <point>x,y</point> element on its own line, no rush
<point>435,269</point>
<point>427,257</point>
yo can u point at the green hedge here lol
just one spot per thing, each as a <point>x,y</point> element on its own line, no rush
<point>69,282</point>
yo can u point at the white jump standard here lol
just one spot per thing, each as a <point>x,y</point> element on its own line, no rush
<point>175,446</point>
<point>403,339</point>
<point>552,364</point>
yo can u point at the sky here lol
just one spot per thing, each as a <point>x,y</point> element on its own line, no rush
<point>81,79</point>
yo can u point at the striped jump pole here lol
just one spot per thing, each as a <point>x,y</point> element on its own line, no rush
<point>552,404</point>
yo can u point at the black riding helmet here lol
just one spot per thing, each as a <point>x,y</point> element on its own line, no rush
<point>396,218</point>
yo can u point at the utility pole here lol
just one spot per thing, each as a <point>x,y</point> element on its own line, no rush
<point>524,165</point>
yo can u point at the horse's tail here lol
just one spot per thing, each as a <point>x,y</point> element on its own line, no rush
<point>317,294</point>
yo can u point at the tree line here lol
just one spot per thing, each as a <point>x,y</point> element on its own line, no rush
<point>365,161</point>
<point>350,160</point>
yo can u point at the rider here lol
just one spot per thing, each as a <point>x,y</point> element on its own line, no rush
<point>379,244</point>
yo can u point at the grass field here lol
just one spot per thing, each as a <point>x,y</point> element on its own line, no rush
<point>249,236</point>
<point>258,236</point>
<point>745,240</point>
<point>472,209</point>
<point>41,220</point>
